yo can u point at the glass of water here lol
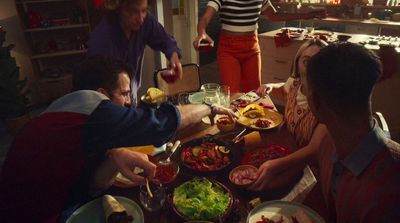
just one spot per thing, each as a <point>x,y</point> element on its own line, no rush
<point>152,203</point>
<point>225,96</point>
<point>211,93</point>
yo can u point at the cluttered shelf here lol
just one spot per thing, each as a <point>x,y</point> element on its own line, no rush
<point>58,27</point>
<point>61,53</point>
<point>39,1</point>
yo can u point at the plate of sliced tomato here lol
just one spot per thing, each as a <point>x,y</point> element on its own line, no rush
<point>262,154</point>
<point>206,155</point>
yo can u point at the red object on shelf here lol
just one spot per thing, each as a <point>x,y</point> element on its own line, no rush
<point>97,3</point>
<point>34,19</point>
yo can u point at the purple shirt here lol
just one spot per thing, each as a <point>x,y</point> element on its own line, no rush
<point>108,39</point>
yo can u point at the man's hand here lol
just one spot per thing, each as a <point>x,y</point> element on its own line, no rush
<point>200,37</point>
<point>127,160</point>
<point>175,64</point>
<point>218,109</point>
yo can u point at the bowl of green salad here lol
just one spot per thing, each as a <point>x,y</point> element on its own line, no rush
<point>201,199</point>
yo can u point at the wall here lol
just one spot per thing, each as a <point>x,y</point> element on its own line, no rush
<point>15,35</point>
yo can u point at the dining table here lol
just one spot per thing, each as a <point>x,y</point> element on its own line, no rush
<point>296,189</point>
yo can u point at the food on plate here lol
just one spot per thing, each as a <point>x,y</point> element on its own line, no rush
<point>225,124</point>
<point>243,175</point>
<point>301,217</point>
<point>166,173</point>
<point>262,123</point>
<point>114,211</point>
<point>253,111</point>
<point>206,157</point>
<point>155,95</point>
<point>260,155</point>
<point>274,219</point>
<point>200,199</point>
<point>256,201</point>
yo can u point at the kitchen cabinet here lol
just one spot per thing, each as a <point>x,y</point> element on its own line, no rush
<point>56,32</point>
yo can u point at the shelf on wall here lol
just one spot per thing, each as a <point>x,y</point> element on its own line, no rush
<point>40,1</point>
<point>56,54</point>
<point>58,27</point>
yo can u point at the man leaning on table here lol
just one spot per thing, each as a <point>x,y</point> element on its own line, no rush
<point>71,149</point>
<point>359,168</point>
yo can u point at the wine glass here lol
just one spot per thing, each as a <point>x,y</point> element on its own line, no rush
<point>155,202</point>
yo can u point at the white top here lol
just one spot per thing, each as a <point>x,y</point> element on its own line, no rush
<point>239,15</point>
<point>301,99</point>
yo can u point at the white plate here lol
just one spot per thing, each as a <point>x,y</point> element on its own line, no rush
<point>93,211</point>
<point>196,98</point>
<point>281,208</point>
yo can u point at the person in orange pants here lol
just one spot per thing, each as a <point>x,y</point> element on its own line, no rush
<point>238,54</point>
<point>239,61</point>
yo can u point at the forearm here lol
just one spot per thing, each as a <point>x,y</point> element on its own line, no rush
<point>191,114</point>
<point>104,176</point>
<point>278,91</point>
<point>205,20</point>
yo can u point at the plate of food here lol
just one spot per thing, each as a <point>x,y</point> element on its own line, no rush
<point>262,154</point>
<point>283,211</point>
<point>108,209</point>
<point>205,155</point>
<point>202,199</point>
<point>258,117</point>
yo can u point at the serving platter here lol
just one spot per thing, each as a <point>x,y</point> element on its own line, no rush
<point>92,212</point>
<point>285,209</point>
<point>271,116</point>
<point>205,155</point>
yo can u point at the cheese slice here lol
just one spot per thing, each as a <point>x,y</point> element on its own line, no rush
<point>148,150</point>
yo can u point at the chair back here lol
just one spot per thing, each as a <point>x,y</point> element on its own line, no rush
<point>382,123</point>
<point>190,81</point>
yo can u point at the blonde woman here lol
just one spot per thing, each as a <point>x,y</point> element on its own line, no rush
<point>300,121</point>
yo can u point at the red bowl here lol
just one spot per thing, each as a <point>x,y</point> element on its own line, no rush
<point>166,172</point>
<point>262,154</point>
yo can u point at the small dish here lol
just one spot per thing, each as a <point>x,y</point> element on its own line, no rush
<point>225,124</point>
<point>243,176</point>
<point>166,172</point>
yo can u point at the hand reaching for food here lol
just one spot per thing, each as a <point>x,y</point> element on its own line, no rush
<point>126,161</point>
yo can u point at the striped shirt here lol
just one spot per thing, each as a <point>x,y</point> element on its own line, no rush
<point>365,186</point>
<point>239,15</point>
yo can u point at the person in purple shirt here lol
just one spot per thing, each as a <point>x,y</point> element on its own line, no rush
<point>124,32</point>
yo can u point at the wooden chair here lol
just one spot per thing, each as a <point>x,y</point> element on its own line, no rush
<point>382,123</point>
<point>190,81</point>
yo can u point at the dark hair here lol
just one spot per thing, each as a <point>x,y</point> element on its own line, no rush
<point>114,5</point>
<point>294,71</point>
<point>99,72</point>
<point>344,74</point>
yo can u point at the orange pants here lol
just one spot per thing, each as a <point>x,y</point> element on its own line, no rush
<point>239,62</point>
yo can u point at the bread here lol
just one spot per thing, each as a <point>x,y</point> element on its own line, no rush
<point>155,94</point>
<point>114,211</point>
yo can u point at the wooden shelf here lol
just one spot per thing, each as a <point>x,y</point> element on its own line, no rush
<point>40,1</point>
<point>56,54</point>
<point>74,26</point>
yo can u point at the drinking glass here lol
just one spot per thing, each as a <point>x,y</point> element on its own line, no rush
<point>211,93</point>
<point>152,203</point>
<point>225,96</point>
